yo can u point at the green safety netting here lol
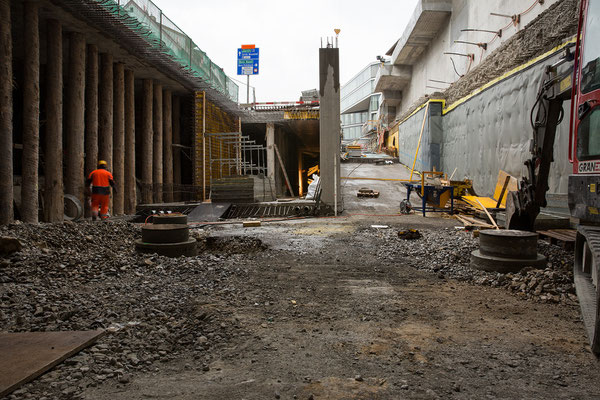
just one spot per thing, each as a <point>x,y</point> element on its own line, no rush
<point>159,31</point>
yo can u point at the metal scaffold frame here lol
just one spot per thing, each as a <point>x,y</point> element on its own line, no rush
<point>242,148</point>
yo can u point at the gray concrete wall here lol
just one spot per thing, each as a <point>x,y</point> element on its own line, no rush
<point>487,133</point>
<point>429,156</point>
<point>491,131</point>
<point>408,137</point>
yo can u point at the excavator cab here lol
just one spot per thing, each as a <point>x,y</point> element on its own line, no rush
<point>584,149</point>
<point>584,153</point>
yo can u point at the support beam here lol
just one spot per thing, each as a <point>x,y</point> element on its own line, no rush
<point>31,113</point>
<point>271,151</point>
<point>105,127</point>
<point>129,191</point>
<point>177,150</point>
<point>147,136</point>
<point>300,180</point>
<point>91,113</point>
<point>157,153</point>
<point>53,166</point>
<point>119,138</point>
<point>75,117</point>
<point>6,115</point>
<point>167,146</point>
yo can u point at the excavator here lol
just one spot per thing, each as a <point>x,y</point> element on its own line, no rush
<point>576,77</point>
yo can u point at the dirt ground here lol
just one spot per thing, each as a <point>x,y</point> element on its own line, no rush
<point>321,316</point>
<point>328,308</point>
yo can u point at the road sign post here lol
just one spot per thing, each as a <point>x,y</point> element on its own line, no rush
<point>247,64</point>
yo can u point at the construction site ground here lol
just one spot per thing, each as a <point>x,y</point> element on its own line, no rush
<point>319,308</point>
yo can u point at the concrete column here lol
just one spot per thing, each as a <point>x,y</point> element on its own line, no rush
<point>177,150</point>
<point>329,124</point>
<point>105,110</point>
<point>53,170</point>
<point>271,151</point>
<point>129,191</point>
<point>31,113</point>
<point>300,181</point>
<point>6,115</point>
<point>75,117</point>
<point>119,138</point>
<point>147,137</point>
<point>157,152</point>
<point>91,111</point>
<point>167,148</point>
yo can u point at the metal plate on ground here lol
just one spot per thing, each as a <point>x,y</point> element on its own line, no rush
<point>27,355</point>
<point>208,212</point>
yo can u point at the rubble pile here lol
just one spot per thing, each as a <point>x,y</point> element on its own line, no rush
<point>448,254</point>
<point>81,276</point>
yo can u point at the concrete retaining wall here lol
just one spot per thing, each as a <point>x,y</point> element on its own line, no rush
<point>488,132</point>
<point>429,156</point>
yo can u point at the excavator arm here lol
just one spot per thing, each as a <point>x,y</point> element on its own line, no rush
<point>523,206</point>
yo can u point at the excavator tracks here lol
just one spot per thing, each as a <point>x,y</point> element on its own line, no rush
<point>585,272</point>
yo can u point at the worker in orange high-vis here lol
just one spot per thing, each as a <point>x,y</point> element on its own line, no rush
<point>101,180</point>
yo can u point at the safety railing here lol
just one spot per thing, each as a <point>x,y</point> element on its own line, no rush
<point>159,31</point>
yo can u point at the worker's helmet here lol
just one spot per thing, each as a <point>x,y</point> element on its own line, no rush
<point>102,163</point>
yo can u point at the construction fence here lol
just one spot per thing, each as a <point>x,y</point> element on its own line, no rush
<point>144,17</point>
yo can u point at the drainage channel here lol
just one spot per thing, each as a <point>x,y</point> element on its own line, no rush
<point>276,210</point>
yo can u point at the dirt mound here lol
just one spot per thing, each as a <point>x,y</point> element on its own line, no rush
<point>448,254</point>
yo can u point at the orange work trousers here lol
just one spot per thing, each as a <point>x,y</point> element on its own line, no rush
<point>100,200</point>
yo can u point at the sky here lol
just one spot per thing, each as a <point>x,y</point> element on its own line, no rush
<point>288,34</point>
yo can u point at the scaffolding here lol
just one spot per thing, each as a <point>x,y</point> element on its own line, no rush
<point>144,20</point>
<point>239,157</point>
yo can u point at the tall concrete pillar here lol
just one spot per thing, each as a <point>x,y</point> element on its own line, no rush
<point>147,137</point>
<point>119,138</point>
<point>31,113</point>
<point>6,115</point>
<point>167,146</point>
<point>329,124</point>
<point>176,149</point>
<point>129,191</point>
<point>91,111</point>
<point>53,170</point>
<point>157,152</point>
<point>271,151</point>
<point>75,117</point>
<point>105,110</point>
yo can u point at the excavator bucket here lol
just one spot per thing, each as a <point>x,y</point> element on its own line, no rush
<point>517,217</point>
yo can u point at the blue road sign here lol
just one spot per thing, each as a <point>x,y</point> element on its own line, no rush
<point>247,61</point>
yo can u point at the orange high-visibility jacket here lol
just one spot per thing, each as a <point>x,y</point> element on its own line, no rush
<point>100,179</point>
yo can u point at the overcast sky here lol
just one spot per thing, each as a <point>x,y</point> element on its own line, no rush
<point>288,34</point>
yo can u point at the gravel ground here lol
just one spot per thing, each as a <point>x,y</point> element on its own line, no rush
<point>233,321</point>
<point>80,276</point>
<point>447,253</point>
